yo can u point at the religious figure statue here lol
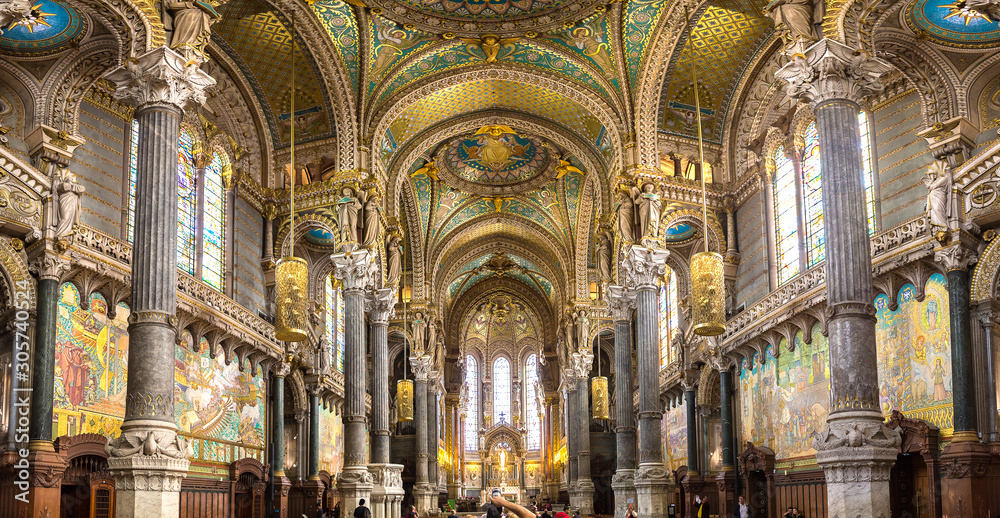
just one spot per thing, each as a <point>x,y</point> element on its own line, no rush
<point>648,206</point>
<point>393,259</point>
<point>796,19</point>
<point>373,220</point>
<point>604,256</point>
<point>938,181</point>
<point>69,202</point>
<point>12,12</point>
<point>570,339</point>
<point>419,328</point>
<point>988,8</point>
<point>432,336</point>
<point>189,23</point>
<point>626,216</point>
<point>347,211</point>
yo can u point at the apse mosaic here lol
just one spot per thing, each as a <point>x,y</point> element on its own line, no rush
<point>593,39</point>
<point>952,22</point>
<point>679,232</point>
<point>673,429</point>
<point>391,44</point>
<point>91,360</point>
<point>914,354</point>
<point>331,441</point>
<point>475,9</point>
<point>496,157</point>
<point>49,27</point>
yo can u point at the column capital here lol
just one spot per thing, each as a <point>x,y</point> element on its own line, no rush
<point>621,302</point>
<point>423,367</point>
<point>160,76</point>
<point>643,266</point>
<point>830,70</point>
<point>281,369</point>
<point>958,256</point>
<point>380,305</point>
<point>356,270</point>
<point>49,265</point>
<point>582,361</point>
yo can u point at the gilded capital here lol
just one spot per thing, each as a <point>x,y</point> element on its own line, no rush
<point>830,70</point>
<point>381,305</point>
<point>622,303</point>
<point>160,76</point>
<point>356,270</point>
<point>643,266</point>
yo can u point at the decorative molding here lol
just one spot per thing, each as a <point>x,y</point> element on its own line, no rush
<point>829,70</point>
<point>160,76</point>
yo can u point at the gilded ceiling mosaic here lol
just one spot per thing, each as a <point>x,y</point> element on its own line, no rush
<point>477,17</point>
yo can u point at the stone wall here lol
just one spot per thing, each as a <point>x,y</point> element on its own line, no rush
<point>751,279</point>
<point>901,158</point>
<point>100,165</point>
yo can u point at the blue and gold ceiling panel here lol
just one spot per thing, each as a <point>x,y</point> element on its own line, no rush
<point>391,43</point>
<point>641,17</point>
<point>593,41</point>
<point>49,27</point>
<point>953,23</point>
<point>727,35</point>
<point>510,265</point>
<point>573,187</point>
<point>338,20</point>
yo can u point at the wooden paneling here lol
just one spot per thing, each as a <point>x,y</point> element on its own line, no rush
<point>805,490</point>
<point>201,498</point>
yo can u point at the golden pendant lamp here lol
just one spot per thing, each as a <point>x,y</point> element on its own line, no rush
<point>600,399</point>
<point>291,273</point>
<point>708,308</point>
<point>404,387</point>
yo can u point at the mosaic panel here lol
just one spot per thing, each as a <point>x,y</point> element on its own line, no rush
<point>641,16</point>
<point>331,441</point>
<point>673,429</point>
<point>593,40</point>
<point>338,19</point>
<point>391,43</point>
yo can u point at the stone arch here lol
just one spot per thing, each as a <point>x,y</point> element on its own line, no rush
<point>716,237</point>
<point>934,80</point>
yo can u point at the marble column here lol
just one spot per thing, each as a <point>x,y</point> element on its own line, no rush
<point>572,432</point>
<point>856,450</point>
<point>424,493</point>
<point>551,420</point>
<point>582,362</point>
<point>159,84</point>
<point>355,270</point>
<point>381,307</point>
<point>726,479</point>
<point>312,487</point>
<point>693,482</point>
<point>432,433</point>
<point>984,359</point>
<point>965,458</point>
<point>622,303</point>
<point>642,267</point>
<point>279,503</point>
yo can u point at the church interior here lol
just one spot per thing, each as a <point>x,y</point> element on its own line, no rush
<point>629,258</point>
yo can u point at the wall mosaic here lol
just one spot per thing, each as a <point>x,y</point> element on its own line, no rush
<point>914,354</point>
<point>338,20</point>
<point>641,16</point>
<point>391,44</point>
<point>331,441</point>
<point>51,27</point>
<point>673,429</point>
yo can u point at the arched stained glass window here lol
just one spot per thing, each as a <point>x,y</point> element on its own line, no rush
<point>214,222</point>
<point>532,421</point>
<point>472,409</point>
<point>868,164</point>
<point>132,165</point>
<point>812,195</point>
<point>331,317</point>
<point>786,219</point>
<point>187,202</point>
<point>501,390</point>
<point>669,317</point>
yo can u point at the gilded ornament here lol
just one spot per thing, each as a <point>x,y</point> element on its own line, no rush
<point>599,392</point>
<point>290,320</point>
<point>708,288</point>
<point>16,244</point>
<point>404,400</point>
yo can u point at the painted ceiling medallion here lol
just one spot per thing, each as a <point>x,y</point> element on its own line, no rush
<point>953,23</point>
<point>473,18</point>
<point>48,28</point>
<point>496,160</point>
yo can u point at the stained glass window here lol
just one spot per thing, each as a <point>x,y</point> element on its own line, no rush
<point>868,164</point>
<point>532,422</point>
<point>132,165</point>
<point>341,338</point>
<point>812,196</point>
<point>214,233</point>
<point>472,409</point>
<point>669,323</point>
<point>187,202</point>
<point>331,317</point>
<point>786,219</point>
<point>501,390</point>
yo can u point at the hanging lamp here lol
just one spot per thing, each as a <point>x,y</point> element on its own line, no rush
<point>291,273</point>
<point>599,384</point>
<point>708,287</point>
<point>404,387</point>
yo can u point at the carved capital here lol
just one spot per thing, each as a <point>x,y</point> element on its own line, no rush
<point>381,305</point>
<point>160,76</point>
<point>856,434</point>
<point>149,442</point>
<point>642,266</point>
<point>281,369</point>
<point>582,362</point>
<point>955,257</point>
<point>830,70</point>
<point>356,270</point>
<point>423,366</point>
<point>49,266</point>
<point>622,303</point>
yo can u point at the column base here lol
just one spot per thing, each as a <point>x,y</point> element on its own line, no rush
<point>725,482</point>
<point>353,484</point>
<point>623,485</point>
<point>387,490</point>
<point>454,491</point>
<point>966,486</point>
<point>282,492</point>
<point>857,452</point>
<point>312,492</point>
<point>147,486</point>
<point>654,493</point>
<point>552,490</point>
<point>585,497</point>
<point>425,498</point>
<point>42,485</point>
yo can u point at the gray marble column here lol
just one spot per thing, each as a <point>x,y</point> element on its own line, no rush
<point>622,304</point>
<point>642,267</point>
<point>356,271</point>
<point>691,415</point>
<point>159,84</point>
<point>956,260</point>
<point>432,431</point>
<point>856,450</point>
<point>44,364</point>
<point>582,362</point>
<point>381,307</point>
<point>314,434</point>
<point>278,418</point>
<point>726,411</point>
<point>572,430</point>
<point>424,493</point>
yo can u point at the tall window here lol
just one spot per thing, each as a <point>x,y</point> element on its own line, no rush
<point>472,410</point>
<point>532,422</point>
<point>335,322</point>
<point>501,390</point>
<point>211,222</point>
<point>798,202</point>
<point>669,317</point>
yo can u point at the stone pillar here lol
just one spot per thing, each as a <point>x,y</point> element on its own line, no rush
<point>381,307</point>
<point>622,304</point>
<point>857,450</point>
<point>149,460</point>
<point>552,480</point>
<point>965,459</point>
<point>984,358</point>
<point>726,480</point>
<point>355,270</point>
<point>454,423</point>
<point>641,268</point>
<point>693,482</point>
<point>432,434</point>
<point>312,487</point>
<point>387,493</point>
<point>582,362</point>
<point>572,432</point>
<point>424,493</point>
<point>279,504</point>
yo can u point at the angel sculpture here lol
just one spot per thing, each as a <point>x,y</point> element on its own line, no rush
<point>491,44</point>
<point>648,206</point>
<point>348,208</point>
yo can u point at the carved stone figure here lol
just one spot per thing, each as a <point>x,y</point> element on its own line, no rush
<point>373,220</point>
<point>432,336</point>
<point>12,12</point>
<point>69,202</point>
<point>988,8</point>
<point>347,210</point>
<point>189,23</point>
<point>604,256</point>
<point>419,330</point>
<point>796,19</point>
<point>392,260</point>
<point>626,216</point>
<point>648,206</point>
<point>938,181</point>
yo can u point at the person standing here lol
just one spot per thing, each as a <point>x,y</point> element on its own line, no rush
<point>412,513</point>
<point>361,511</point>
<point>703,507</point>
<point>743,511</point>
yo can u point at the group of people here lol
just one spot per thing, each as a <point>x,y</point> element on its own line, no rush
<point>793,512</point>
